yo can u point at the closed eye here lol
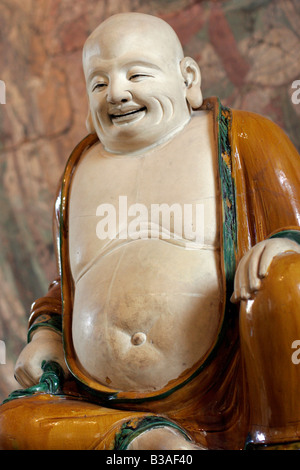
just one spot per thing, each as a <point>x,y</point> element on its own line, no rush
<point>98,86</point>
<point>139,76</point>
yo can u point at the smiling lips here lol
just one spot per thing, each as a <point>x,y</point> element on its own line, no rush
<point>126,116</point>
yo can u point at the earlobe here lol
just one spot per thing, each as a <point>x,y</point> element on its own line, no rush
<point>192,79</point>
<point>89,123</point>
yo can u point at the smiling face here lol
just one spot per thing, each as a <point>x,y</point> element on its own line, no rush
<point>137,93</point>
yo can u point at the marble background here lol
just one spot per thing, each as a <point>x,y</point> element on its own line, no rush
<point>249,54</point>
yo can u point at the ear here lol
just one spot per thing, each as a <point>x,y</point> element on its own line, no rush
<point>89,123</point>
<point>192,78</point>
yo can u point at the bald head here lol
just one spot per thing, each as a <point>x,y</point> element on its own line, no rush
<point>139,29</point>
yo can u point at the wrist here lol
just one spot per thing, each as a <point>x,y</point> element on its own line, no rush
<point>45,333</point>
<point>45,322</point>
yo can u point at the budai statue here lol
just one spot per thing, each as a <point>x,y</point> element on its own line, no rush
<point>177,302</point>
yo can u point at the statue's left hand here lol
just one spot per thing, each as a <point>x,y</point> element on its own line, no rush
<point>254,266</point>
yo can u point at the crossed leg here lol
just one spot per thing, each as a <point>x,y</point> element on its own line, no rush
<point>51,422</point>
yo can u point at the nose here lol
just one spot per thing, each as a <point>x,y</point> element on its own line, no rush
<point>117,92</point>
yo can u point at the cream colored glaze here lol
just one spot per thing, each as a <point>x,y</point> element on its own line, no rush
<point>145,310</point>
<point>163,439</point>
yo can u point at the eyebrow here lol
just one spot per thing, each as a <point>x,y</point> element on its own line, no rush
<point>143,63</point>
<point>133,63</point>
<point>93,74</point>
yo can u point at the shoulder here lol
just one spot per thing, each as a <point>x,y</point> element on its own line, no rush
<point>82,148</point>
<point>252,122</point>
<point>252,131</point>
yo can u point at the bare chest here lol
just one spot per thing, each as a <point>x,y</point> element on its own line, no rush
<point>170,193</point>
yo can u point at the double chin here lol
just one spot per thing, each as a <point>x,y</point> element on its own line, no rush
<point>129,135</point>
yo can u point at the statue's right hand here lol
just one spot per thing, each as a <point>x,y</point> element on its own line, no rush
<point>46,344</point>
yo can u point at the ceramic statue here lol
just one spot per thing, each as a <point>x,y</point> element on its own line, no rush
<point>176,226</point>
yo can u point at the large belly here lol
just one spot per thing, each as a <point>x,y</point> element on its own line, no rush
<point>146,312</point>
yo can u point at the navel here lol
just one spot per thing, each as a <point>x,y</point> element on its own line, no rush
<point>138,338</point>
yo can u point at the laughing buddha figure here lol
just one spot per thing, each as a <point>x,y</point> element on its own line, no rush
<point>164,340</point>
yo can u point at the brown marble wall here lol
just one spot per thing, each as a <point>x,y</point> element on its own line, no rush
<point>249,54</point>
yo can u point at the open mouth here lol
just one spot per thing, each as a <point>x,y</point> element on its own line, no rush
<point>130,116</point>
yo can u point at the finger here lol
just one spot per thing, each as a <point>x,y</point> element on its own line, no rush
<point>234,299</point>
<point>266,260</point>
<point>23,378</point>
<point>253,267</point>
<point>19,379</point>
<point>20,376</point>
<point>241,280</point>
<point>29,375</point>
